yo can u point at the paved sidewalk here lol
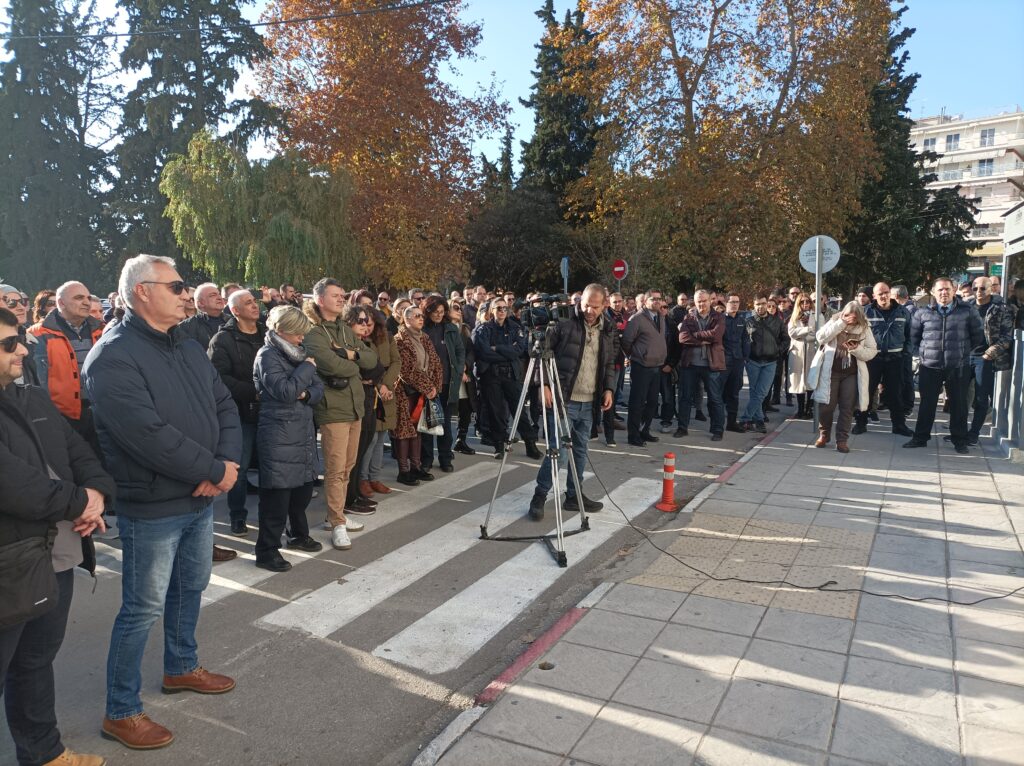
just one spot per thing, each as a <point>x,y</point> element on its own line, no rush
<point>671,667</point>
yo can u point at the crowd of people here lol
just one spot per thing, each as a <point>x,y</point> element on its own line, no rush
<point>148,408</point>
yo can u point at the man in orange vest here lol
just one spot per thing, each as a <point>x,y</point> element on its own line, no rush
<point>66,336</point>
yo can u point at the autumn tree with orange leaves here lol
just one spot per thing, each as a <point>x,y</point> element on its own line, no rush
<point>364,93</point>
<point>744,121</point>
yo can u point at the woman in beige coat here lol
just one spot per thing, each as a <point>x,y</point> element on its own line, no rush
<point>801,352</point>
<point>839,372</point>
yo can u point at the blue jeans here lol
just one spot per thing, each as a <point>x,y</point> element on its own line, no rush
<point>984,384</point>
<point>372,465</point>
<point>237,494</point>
<point>759,377</point>
<point>581,418</point>
<point>688,379</point>
<point>165,569</point>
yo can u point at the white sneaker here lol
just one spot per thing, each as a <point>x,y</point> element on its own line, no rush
<point>352,525</point>
<point>339,538</point>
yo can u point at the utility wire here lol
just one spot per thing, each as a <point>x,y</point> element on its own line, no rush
<point>391,8</point>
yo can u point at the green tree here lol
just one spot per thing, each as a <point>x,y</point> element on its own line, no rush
<point>902,233</point>
<point>259,222</point>
<point>563,124</point>
<point>51,168</point>
<point>186,80</point>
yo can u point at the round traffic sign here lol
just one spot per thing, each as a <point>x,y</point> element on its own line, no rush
<point>829,253</point>
<point>620,269</point>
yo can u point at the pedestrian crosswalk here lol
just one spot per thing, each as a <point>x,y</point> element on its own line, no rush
<point>440,636</point>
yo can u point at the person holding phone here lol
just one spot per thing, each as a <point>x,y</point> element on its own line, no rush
<point>839,372</point>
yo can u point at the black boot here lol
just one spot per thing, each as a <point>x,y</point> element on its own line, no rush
<point>463,448</point>
<point>499,450</point>
<point>531,450</point>
<point>732,425</point>
<point>537,506</point>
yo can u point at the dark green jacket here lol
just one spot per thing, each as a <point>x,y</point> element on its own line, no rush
<point>347,404</point>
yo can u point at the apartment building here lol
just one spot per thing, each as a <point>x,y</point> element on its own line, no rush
<point>985,156</point>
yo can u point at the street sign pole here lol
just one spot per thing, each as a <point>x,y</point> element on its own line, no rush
<point>817,317</point>
<point>819,255</point>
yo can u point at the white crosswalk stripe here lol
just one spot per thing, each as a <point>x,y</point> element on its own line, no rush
<point>449,635</point>
<point>241,574</point>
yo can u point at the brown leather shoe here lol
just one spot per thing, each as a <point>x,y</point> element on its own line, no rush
<point>199,680</point>
<point>68,758</point>
<point>822,441</point>
<point>841,447</point>
<point>380,489</point>
<point>137,732</point>
<point>223,554</point>
<point>365,489</point>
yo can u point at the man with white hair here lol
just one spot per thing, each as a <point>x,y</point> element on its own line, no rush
<point>65,338</point>
<point>171,439</point>
<point>209,317</point>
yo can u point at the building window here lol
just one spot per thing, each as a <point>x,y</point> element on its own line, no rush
<point>952,142</point>
<point>988,137</point>
<point>986,167</point>
<point>929,145</point>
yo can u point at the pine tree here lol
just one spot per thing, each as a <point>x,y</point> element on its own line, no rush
<point>563,134</point>
<point>187,78</point>
<point>50,204</point>
<point>902,233</point>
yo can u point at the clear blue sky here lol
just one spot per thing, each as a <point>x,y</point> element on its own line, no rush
<point>966,51</point>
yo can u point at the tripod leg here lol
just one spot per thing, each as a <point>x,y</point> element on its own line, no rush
<point>504,454</point>
<point>514,428</point>
<point>562,408</point>
<point>549,376</point>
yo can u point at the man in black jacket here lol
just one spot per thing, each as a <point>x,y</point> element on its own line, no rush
<point>233,353</point>
<point>890,324</point>
<point>171,438</point>
<point>54,489</point>
<point>767,336</point>
<point>585,348</point>
<point>500,346</point>
<point>209,316</point>
<point>644,342</point>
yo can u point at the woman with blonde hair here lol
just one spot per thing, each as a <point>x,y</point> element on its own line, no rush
<point>801,352</point>
<point>288,387</point>
<point>839,372</point>
<point>421,377</point>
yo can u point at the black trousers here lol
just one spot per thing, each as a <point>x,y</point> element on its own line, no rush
<point>731,386</point>
<point>930,381</point>
<point>502,395</point>
<point>465,415</point>
<point>445,456</point>
<point>668,392</point>
<point>27,652</point>
<point>644,383</point>
<point>775,392</point>
<point>908,381</point>
<point>367,432</point>
<point>887,369</point>
<point>278,507</point>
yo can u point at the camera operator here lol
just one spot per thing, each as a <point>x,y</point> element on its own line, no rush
<point>500,347</point>
<point>585,346</point>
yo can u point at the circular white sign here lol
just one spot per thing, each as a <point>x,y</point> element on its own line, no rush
<point>829,253</point>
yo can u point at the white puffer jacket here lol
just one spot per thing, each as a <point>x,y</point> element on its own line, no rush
<point>820,375</point>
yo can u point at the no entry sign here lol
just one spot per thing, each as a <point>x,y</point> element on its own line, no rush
<point>620,269</point>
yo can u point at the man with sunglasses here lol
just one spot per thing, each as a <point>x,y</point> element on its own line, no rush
<point>54,491</point>
<point>889,322</point>
<point>994,354</point>
<point>65,338</point>
<point>384,303</point>
<point>172,440</point>
<point>500,347</point>
<point>18,304</point>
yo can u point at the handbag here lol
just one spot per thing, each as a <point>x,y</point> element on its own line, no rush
<point>431,419</point>
<point>28,584</point>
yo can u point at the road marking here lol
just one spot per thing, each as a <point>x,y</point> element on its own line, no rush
<point>336,604</point>
<point>446,637</point>
<point>241,574</point>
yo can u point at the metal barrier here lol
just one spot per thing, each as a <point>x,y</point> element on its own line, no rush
<point>1008,404</point>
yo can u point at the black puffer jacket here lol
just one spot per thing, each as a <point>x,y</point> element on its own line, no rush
<point>567,339</point>
<point>33,434</point>
<point>165,420</point>
<point>766,337</point>
<point>945,342</point>
<point>233,354</point>
<point>285,432</point>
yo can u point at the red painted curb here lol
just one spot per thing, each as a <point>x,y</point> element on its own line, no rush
<point>537,648</point>
<point>729,472</point>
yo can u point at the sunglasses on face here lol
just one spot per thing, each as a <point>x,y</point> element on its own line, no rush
<point>383,299</point>
<point>13,302</point>
<point>416,316</point>
<point>501,308</point>
<point>50,303</point>
<point>362,320</point>
<point>9,344</point>
<point>980,289</point>
<point>177,286</point>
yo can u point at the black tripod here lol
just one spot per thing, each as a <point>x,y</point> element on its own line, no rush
<point>548,372</point>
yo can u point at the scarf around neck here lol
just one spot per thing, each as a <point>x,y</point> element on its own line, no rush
<point>294,354</point>
<point>418,345</point>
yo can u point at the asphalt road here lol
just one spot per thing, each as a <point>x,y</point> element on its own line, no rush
<point>363,656</point>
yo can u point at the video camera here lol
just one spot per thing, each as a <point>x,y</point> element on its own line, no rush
<point>543,310</point>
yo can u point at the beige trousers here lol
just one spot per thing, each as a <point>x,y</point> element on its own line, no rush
<point>341,443</point>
